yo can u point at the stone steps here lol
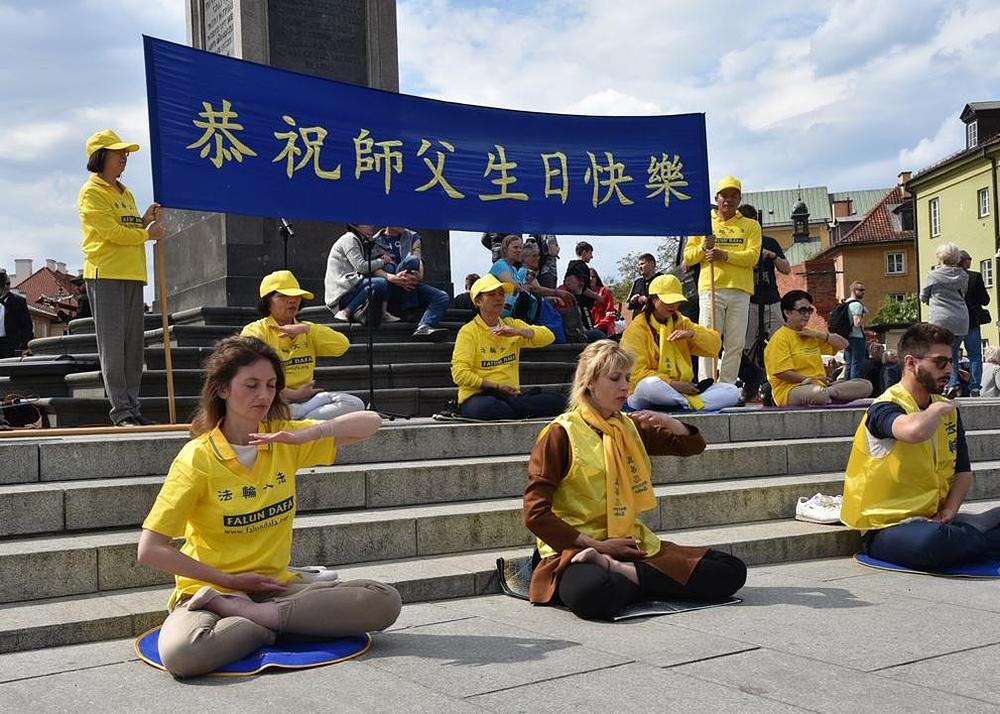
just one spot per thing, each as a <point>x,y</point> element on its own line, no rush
<point>351,378</point>
<point>215,316</point>
<point>128,612</point>
<point>424,505</point>
<point>404,402</point>
<point>358,531</point>
<point>208,335</point>
<point>48,458</point>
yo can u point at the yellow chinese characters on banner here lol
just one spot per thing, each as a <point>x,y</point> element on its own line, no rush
<point>300,146</point>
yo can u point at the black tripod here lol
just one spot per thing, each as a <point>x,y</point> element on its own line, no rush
<point>372,314</point>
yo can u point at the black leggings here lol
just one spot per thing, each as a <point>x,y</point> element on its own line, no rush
<point>593,593</point>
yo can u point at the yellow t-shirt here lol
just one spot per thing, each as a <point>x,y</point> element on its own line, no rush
<point>740,238</point>
<point>114,241</point>
<point>479,354</point>
<point>787,350</point>
<point>299,354</point>
<point>233,518</point>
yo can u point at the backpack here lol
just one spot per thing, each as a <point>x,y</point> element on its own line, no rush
<point>840,321</point>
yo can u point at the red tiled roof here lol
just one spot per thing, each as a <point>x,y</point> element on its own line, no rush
<point>51,284</point>
<point>880,225</point>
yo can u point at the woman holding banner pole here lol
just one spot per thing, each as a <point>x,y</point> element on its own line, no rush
<point>114,268</point>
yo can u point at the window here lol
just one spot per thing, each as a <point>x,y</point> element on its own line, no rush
<point>984,202</point>
<point>986,268</point>
<point>895,263</point>
<point>971,134</point>
<point>935,209</point>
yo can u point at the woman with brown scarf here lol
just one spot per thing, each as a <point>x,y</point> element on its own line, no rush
<point>589,478</point>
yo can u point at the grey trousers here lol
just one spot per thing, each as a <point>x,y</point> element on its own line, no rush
<point>199,641</point>
<point>118,323</point>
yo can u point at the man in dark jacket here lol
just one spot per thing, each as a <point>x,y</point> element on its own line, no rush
<point>640,286</point>
<point>15,322</point>
<point>976,299</point>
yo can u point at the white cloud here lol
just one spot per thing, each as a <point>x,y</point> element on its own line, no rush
<point>949,138</point>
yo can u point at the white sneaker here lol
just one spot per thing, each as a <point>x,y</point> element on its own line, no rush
<point>389,317</point>
<point>342,316</point>
<point>819,509</point>
<point>314,573</point>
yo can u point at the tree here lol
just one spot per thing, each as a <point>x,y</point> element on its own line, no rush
<point>897,310</point>
<point>667,257</point>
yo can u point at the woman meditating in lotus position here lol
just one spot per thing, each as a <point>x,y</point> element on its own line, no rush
<point>589,478</point>
<point>662,340</point>
<point>230,494</point>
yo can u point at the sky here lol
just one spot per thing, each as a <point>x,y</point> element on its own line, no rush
<point>844,94</point>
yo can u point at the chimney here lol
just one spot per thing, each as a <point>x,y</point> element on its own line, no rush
<point>842,208</point>
<point>50,264</point>
<point>23,268</point>
<point>901,179</point>
<point>61,267</point>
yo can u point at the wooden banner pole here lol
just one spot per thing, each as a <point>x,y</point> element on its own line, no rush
<point>161,287</point>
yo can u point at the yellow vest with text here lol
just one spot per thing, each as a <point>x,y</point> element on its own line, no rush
<point>888,480</point>
<point>581,500</point>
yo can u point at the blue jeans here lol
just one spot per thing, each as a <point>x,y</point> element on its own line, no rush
<point>926,545</point>
<point>974,348</point>
<point>955,379</point>
<point>525,406</point>
<point>435,301</point>
<point>359,293</point>
<point>856,353</point>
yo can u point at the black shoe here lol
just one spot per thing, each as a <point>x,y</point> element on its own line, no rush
<point>128,421</point>
<point>143,421</point>
<point>974,393</point>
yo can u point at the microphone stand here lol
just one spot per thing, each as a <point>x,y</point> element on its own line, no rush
<point>368,245</point>
<point>286,231</point>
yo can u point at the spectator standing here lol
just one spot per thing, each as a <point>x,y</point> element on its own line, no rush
<point>548,270</point>
<point>991,372</point>
<point>114,267</point>
<point>581,268</point>
<point>730,254</point>
<point>16,329</point>
<point>976,300</point>
<point>857,346</point>
<point>944,291</point>
<point>640,286</point>
<point>765,299</point>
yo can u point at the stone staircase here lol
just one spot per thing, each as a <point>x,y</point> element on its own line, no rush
<point>426,506</point>
<point>411,378</point>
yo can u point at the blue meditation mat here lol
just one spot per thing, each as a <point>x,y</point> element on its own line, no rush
<point>980,569</point>
<point>283,654</point>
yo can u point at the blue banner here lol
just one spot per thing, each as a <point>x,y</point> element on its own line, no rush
<point>239,137</point>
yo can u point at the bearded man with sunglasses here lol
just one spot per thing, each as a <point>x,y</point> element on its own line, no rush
<point>909,468</point>
<point>794,363</point>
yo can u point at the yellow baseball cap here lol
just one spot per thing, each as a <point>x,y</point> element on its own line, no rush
<point>667,288</point>
<point>107,139</point>
<point>487,284</point>
<point>284,283</point>
<point>729,182</point>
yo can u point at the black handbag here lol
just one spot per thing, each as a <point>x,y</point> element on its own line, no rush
<point>984,316</point>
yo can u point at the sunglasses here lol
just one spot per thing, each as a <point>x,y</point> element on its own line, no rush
<point>940,361</point>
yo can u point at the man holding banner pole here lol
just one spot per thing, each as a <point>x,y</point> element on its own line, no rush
<point>727,258</point>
